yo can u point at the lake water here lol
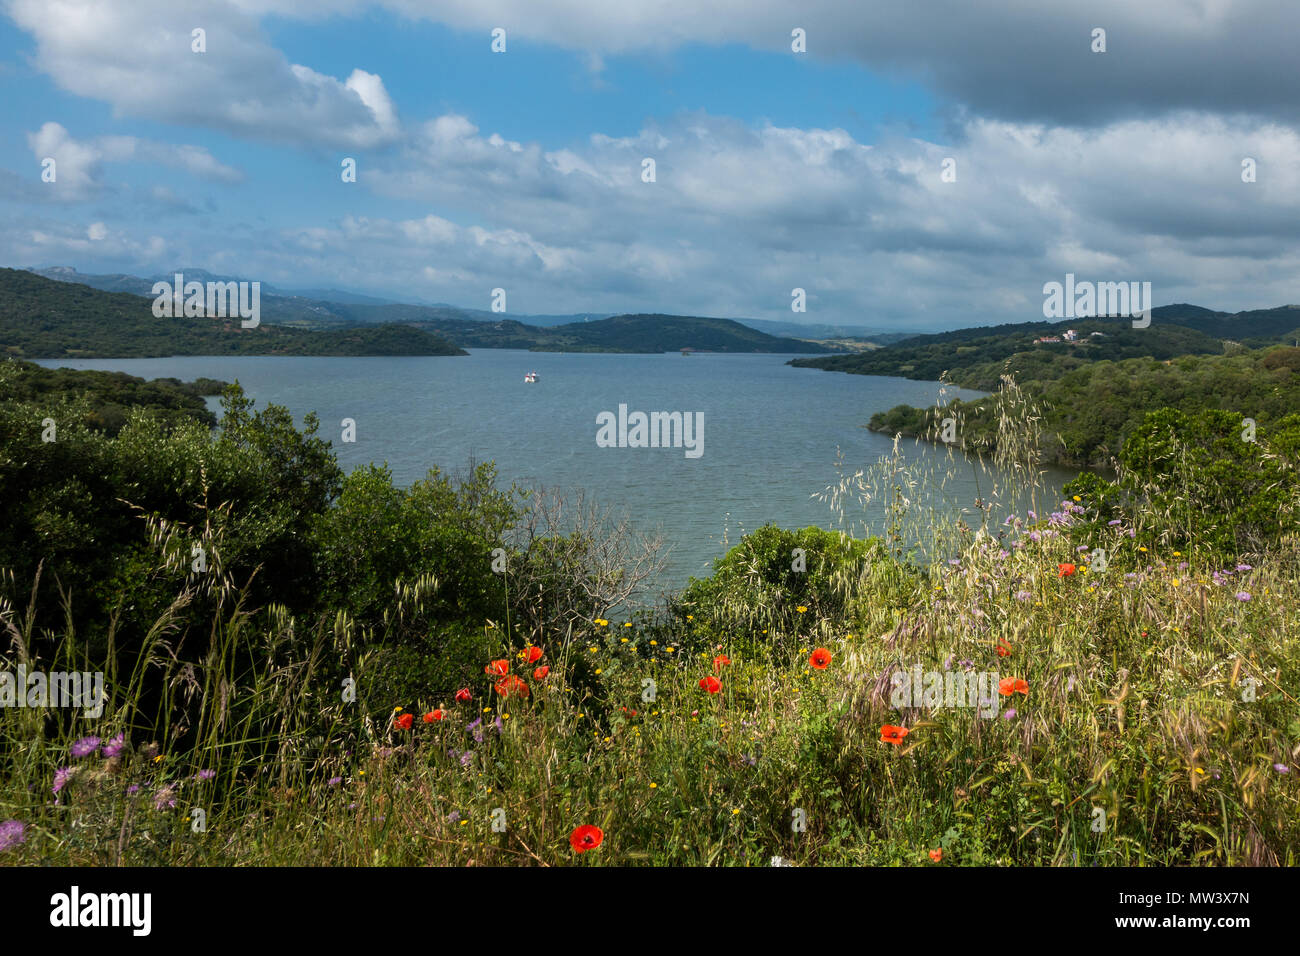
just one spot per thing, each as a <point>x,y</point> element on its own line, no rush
<point>770,437</point>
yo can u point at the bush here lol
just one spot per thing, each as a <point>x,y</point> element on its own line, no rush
<point>773,572</point>
<point>1200,484</point>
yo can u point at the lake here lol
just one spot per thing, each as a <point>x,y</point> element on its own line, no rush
<point>770,433</point>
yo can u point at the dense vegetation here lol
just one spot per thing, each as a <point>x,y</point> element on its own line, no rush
<point>1091,410</point>
<point>42,318</point>
<point>339,671</point>
<point>109,396</point>
<point>978,357</point>
<point>977,362</point>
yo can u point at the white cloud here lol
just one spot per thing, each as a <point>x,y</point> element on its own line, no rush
<point>740,215</point>
<point>137,57</point>
<point>79,163</point>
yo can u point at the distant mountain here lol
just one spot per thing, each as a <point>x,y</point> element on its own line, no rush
<point>45,318</point>
<point>479,328</point>
<point>667,333</point>
<point>976,357</point>
<point>335,295</point>
<point>1257,324</point>
<point>820,331</point>
<point>312,308</point>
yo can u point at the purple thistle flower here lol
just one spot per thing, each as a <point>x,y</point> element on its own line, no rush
<point>12,833</point>
<point>85,746</point>
<point>1244,567</point>
<point>1023,595</point>
<point>1243,595</point>
<point>476,728</point>
<point>205,774</point>
<point>955,562</point>
<point>498,724</point>
<point>166,797</point>
<point>453,817</point>
<point>1033,516</point>
<point>1113,522</point>
<point>1281,768</point>
<point>1010,714</point>
<point>113,747</point>
<point>62,776</point>
<point>334,781</point>
<point>1035,537</point>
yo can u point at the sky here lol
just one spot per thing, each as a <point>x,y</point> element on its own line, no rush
<point>921,165</point>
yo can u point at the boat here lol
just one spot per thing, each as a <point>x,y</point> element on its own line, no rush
<point>531,377</point>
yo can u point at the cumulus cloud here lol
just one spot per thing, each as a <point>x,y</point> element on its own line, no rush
<point>79,164</point>
<point>739,216</point>
<point>138,57</point>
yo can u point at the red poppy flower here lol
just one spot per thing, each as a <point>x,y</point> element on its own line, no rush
<point>1010,685</point>
<point>1004,650</point>
<point>721,661</point>
<point>534,653</point>
<point>512,686</point>
<point>820,659</point>
<point>433,715</point>
<point>463,696</point>
<point>404,722</point>
<point>501,667</point>
<point>1065,570</point>
<point>936,855</point>
<point>890,734</point>
<point>711,684</point>
<point>541,672</point>
<point>586,837</point>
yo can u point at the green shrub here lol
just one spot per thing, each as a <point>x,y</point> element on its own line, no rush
<point>773,572</point>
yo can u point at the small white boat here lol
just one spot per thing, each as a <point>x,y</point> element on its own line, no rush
<point>530,377</point>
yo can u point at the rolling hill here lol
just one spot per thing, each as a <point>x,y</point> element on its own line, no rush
<point>45,318</point>
<point>977,357</point>
<point>360,318</point>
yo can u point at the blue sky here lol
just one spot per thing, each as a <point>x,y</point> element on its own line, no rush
<point>775,169</point>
